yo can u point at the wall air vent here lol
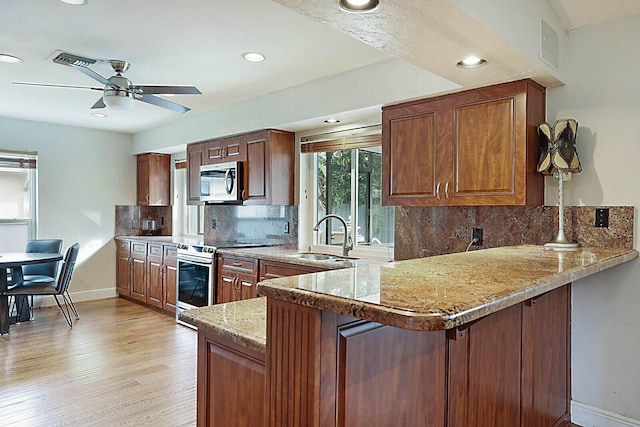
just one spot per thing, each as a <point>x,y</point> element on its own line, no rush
<point>549,45</point>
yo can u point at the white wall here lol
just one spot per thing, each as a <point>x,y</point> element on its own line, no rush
<point>603,94</point>
<point>82,175</point>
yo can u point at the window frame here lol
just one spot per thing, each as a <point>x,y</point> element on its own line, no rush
<point>24,160</point>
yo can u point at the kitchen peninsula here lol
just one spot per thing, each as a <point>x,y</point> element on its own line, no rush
<point>468,339</point>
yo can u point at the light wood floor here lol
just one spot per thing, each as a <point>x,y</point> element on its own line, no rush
<point>120,365</point>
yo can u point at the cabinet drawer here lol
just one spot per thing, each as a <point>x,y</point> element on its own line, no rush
<point>240,264</point>
<point>170,252</point>
<point>123,247</point>
<point>155,250</point>
<point>139,248</point>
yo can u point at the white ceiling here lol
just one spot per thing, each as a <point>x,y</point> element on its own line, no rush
<point>196,42</point>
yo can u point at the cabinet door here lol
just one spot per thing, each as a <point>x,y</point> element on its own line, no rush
<point>142,180</point>
<point>169,278</point>
<point>411,139</point>
<point>546,359</point>
<point>138,279</point>
<point>226,288</point>
<point>231,149</point>
<point>255,184</point>
<point>231,384</point>
<point>154,275</point>
<point>195,153</point>
<point>484,371</point>
<point>123,274</point>
<point>246,286</point>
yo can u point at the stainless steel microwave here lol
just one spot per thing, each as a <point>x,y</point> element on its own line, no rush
<point>221,183</point>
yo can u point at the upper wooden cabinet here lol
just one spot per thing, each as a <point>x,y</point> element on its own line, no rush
<point>473,148</point>
<point>195,157</point>
<point>230,149</point>
<point>154,179</point>
<point>268,165</point>
<point>268,173</point>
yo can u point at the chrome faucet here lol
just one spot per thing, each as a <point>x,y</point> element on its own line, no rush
<point>347,243</point>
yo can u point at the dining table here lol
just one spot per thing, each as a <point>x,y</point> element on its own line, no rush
<point>11,265</point>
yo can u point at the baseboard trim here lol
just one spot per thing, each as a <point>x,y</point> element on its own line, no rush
<point>591,416</point>
<point>94,294</point>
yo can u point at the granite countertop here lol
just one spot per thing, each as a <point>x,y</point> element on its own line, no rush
<point>446,291</point>
<point>164,239</point>
<point>288,255</point>
<point>241,322</point>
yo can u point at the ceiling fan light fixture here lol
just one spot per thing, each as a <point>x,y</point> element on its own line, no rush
<point>359,6</point>
<point>253,56</point>
<point>9,58</point>
<point>118,99</point>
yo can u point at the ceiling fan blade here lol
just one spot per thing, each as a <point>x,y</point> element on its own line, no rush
<point>167,90</point>
<point>150,99</point>
<point>99,104</point>
<point>56,85</point>
<point>89,72</point>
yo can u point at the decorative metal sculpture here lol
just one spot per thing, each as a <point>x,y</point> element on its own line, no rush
<point>559,157</point>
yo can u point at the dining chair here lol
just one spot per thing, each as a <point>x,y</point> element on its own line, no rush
<point>44,272</point>
<point>55,288</point>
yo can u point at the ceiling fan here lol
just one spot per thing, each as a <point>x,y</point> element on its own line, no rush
<point>118,91</point>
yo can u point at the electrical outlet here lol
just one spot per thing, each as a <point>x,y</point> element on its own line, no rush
<point>602,217</point>
<point>214,223</point>
<point>476,233</point>
<point>286,227</point>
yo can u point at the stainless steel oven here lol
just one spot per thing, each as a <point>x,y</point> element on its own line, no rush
<point>195,279</point>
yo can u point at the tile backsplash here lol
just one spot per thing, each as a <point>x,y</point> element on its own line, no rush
<point>427,231</point>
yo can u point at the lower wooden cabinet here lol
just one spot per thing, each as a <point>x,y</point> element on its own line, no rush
<point>155,292</point>
<point>123,267</point>
<point>147,272</point>
<point>230,384</point>
<point>139,271</point>
<point>510,368</point>
<point>170,273</point>
<point>237,278</point>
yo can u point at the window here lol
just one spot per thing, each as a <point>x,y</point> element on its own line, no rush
<point>18,204</point>
<point>348,183</point>
<point>190,218</point>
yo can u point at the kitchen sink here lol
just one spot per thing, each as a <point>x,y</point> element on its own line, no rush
<point>320,257</point>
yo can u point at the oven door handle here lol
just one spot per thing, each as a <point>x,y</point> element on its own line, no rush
<point>195,260</point>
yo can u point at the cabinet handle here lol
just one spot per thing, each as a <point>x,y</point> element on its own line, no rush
<point>247,284</point>
<point>438,191</point>
<point>446,190</point>
<point>223,153</point>
<point>147,197</point>
<point>237,264</point>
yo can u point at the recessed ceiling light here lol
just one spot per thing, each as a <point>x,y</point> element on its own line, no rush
<point>101,115</point>
<point>253,56</point>
<point>9,58</point>
<point>332,121</point>
<point>471,62</point>
<point>359,6</point>
<point>75,2</point>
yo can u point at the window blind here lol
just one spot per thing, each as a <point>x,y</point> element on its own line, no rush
<point>18,160</point>
<point>342,140</point>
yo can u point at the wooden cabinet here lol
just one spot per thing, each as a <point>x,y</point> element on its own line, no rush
<point>123,267</point>
<point>195,156</point>
<point>472,148</point>
<point>154,275</point>
<point>154,179</point>
<point>230,384</point>
<point>237,278</point>
<point>510,368</point>
<point>268,174</point>
<point>170,272</point>
<point>147,272</point>
<point>139,271</point>
<point>229,149</point>
<point>273,269</point>
<point>268,165</point>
